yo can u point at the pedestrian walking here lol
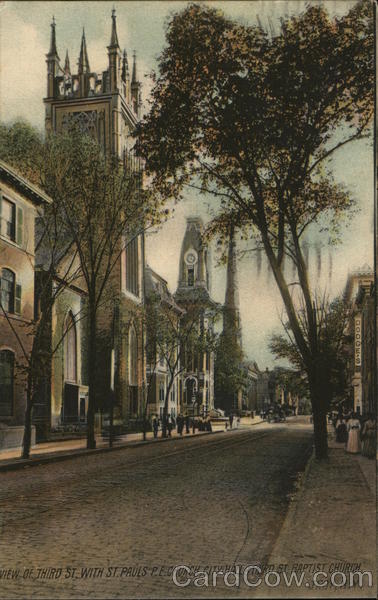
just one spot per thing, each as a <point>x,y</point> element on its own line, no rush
<point>169,425</point>
<point>187,424</point>
<point>341,430</point>
<point>155,425</point>
<point>180,424</point>
<point>354,442</point>
<point>237,422</point>
<point>231,419</point>
<point>368,436</point>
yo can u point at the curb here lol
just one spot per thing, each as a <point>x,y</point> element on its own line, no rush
<point>293,504</point>
<point>61,456</point>
<point>16,464</point>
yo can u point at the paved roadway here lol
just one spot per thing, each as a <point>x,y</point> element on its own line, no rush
<point>215,500</point>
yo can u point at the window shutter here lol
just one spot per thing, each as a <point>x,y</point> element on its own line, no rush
<point>17,299</point>
<point>20,226</point>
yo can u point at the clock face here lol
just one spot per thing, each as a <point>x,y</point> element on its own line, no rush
<point>191,257</point>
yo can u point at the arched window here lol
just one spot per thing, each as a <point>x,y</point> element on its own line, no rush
<point>70,349</point>
<point>6,382</point>
<point>161,393</point>
<point>133,357</point>
<point>8,285</point>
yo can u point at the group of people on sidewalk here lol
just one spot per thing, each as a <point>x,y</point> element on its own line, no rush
<point>358,435</point>
<point>169,423</point>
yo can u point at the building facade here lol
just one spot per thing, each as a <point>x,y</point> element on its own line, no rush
<point>361,330</point>
<point>20,203</point>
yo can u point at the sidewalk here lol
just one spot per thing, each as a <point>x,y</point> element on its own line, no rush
<point>331,522</point>
<point>51,451</point>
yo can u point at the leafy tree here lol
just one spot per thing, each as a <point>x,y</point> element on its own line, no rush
<point>333,340</point>
<point>98,207</point>
<point>252,120</point>
<point>102,206</point>
<point>230,375</point>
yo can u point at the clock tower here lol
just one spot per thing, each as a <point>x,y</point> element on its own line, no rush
<point>195,262</point>
<point>193,290</point>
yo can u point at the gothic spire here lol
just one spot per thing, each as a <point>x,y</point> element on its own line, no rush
<point>83,58</point>
<point>134,75</point>
<point>67,68</point>
<point>232,294</point>
<point>53,51</point>
<point>231,314</point>
<point>114,36</point>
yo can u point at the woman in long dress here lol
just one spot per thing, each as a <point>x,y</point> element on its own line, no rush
<point>354,442</point>
<point>368,435</point>
<point>341,430</point>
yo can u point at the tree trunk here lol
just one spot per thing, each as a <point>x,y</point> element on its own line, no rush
<point>91,440</point>
<point>320,425</point>
<point>26,442</point>
<point>111,420</point>
<point>165,410</point>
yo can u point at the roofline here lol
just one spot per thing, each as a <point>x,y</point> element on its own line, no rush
<point>34,193</point>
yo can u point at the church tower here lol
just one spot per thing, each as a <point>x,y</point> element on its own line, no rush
<point>195,262</point>
<point>106,105</point>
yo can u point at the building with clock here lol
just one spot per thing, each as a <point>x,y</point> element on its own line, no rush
<point>194,289</point>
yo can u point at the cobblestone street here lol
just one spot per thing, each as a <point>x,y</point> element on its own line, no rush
<point>213,500</point>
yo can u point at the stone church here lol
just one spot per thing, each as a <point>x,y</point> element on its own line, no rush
<point>107,106</point>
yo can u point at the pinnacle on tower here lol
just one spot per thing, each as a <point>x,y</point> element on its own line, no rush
<point>67,68</point>
<point>53,51</point>
<point>83,58</point>
<point>114,36</point>
<point>125,66</point>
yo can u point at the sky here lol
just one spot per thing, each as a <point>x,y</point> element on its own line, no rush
<point>24,42</point>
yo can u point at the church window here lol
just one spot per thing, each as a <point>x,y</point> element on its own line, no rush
<point>190,276</point>
<point>132,264</point>
<point>133,357</point>
<point>6,382</point>
<point>70,349</point>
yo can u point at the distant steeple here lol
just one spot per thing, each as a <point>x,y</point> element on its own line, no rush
<point>125,67</point>
<point>231,320</point>
<point>67,68</point>
<point>83,58</point>
<point>114,36</point>
<point>134,75</point>
<point>53,51</point>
